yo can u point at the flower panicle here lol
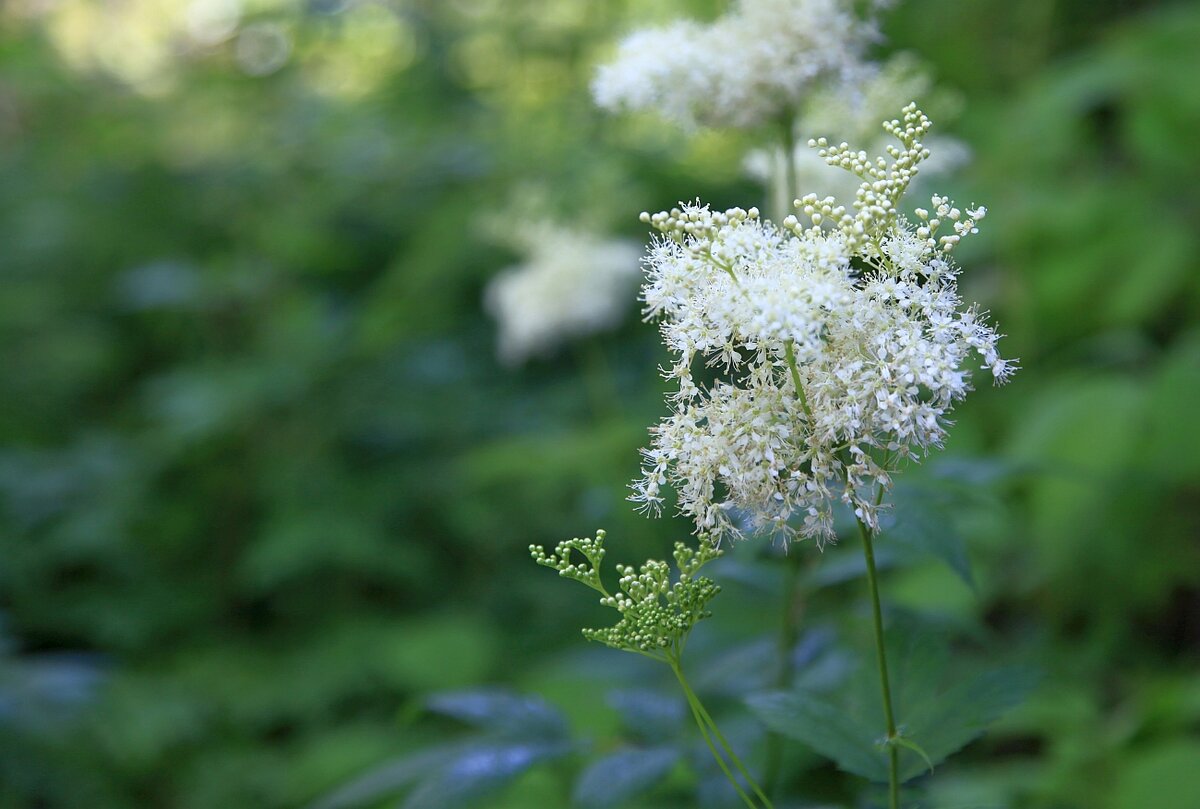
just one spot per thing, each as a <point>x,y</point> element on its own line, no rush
<point>842,341</point>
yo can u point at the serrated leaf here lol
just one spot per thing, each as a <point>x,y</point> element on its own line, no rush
<point>503,712</point>
<point>940,718</point>
<point>477,770</point>
<point>946,722</point>
<point>846,724</point>
<point>620,776</point>
<point>831,731</point>
<point>917,662</point>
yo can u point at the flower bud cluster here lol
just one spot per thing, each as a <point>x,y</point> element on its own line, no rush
<point>572,283</point>
<point>745,69</point>
<point>656,613</point>
<point>853,113</point>
<point>842,338</point>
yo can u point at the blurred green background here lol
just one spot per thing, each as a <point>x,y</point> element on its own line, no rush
<point>264,487</point>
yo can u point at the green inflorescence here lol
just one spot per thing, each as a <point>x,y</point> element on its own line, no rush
<point>656,613</point>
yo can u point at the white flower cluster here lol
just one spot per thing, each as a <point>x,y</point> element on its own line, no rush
<point>749,67</point>
<point>842,338</point>
<point>573,283</point>
<point>853,113</point>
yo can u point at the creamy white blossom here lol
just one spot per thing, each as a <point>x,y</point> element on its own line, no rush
<point>572,283</point>
<point>752,66</point>
<point>842,342</point>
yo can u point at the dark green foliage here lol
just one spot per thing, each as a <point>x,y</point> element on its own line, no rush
<point>513,733</point>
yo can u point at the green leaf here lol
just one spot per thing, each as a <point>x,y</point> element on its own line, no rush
<point>502,712</point>
<point>847,725</point>
<point>917,661</point>
<point>909,744</point>
<point>478,770</point>
<point>923,521</point>
<point>946,722</point>
<point>648,715</point>
<point>622,775</point>
<point>937,710</point>
<point>835,733</point>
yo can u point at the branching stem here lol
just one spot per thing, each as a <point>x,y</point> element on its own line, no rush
<point>710,731</point>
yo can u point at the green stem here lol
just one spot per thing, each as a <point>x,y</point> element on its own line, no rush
<point>790,353</point>
<point>703,713</point>
<point>789,163</point>
<point>881,654</point>
<point>788,635</point>
<point>694,704</point>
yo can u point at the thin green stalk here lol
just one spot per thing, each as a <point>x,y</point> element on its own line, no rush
<point>881,654</point>
<point>693,703</point>
<point>788,635</point>
<point>789,163</point>
<point>790,352</point>
<point>737,762</point>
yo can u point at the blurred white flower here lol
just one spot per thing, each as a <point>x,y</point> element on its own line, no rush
<point>852,112</point>
<point>572,283</point>
<point>843,341</point>
<point>752,66</point>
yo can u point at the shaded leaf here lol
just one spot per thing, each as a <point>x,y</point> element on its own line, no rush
<point>909,744</point>
<point>477,770</point>
<point>923,521</point>
<point>946,722</point>
<point>825,727</point>
<point>846,724</point>
<point>623,775</point>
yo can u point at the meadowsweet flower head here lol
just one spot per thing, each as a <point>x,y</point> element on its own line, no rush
<point>751,66</point>
<point>572,283</point>
<point>841,338</point>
